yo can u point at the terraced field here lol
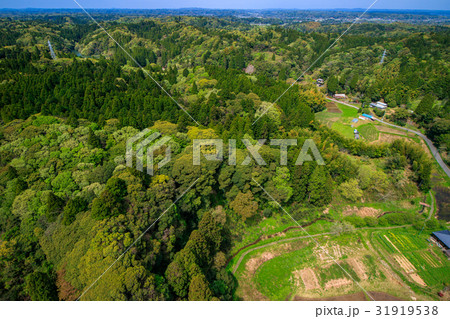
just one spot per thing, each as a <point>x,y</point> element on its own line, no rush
<point>418,260</point>
<point>395,262</point>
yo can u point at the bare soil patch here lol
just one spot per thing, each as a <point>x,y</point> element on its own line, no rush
<point>253,264</point>
<point>389,130</point>
<point>436,260</point>
<point>336,283</point>
<point>362,211</point>
<point>432,261</point>
<point>405,264</point>
<point>359,296</point>
<point>417,279</point>
<point>358,267</point>
<point>337,252</point>
<point>308,277</point>
<point>388,138</point>
<point>327,254</point>
<point>333,108</point>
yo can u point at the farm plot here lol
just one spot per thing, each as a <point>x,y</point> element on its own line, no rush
<point>369,132</point>
<point>308,277</point>
<point>313,272</point>
<point>415,258</point>
<point>401,242</point>
<point>332,108</point>
<point>274,278</point>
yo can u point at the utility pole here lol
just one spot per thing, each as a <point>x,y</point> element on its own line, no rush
<point>382,57</point>
<point>52,53</point>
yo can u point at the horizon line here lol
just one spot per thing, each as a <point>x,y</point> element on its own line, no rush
<point>225,9</point>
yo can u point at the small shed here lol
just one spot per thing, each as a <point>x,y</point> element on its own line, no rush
<point>379,105</point>
<point>442,238</point>
<point>368,116</point>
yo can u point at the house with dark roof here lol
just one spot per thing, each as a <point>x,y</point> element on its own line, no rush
<point>442,239</point>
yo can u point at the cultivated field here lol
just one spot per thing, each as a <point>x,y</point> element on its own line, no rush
<point>391,264</point>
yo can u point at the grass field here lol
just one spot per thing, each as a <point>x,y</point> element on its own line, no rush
<point>274,277</point>
<point>344,129</point>
<point>368,132</point>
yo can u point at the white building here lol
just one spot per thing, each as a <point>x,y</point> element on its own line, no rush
<point>379,105</point>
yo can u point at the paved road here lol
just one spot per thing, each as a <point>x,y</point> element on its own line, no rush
<point>433,149</point>
<point>302,237</point>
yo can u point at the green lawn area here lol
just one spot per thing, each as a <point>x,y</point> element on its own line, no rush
<point>325,116</point>
<point>273,278</point>
<point>348,111</point>
<point>369,132</point>
<point>341,121</point>
<point>344,129</point>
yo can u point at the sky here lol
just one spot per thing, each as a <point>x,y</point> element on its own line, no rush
<point>231,4</point>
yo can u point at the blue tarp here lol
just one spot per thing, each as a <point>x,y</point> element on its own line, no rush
<point>368,116</point>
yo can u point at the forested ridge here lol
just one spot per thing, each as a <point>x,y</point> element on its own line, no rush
<point>69,206</point>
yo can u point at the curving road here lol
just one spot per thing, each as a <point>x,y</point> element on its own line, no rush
<point>433,149</point>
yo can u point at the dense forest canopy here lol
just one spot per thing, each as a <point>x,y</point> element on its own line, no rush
<point>70,205</point>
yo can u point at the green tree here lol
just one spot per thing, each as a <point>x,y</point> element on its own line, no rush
<point>41,287</point>
<point>107,205</point>
<point>424,110</point>
<point>72,208</point>
<point>332,84</point>
<point>351,190</point>
<point>194,89</point>
<point>199,289</point>
<point>320,187</point>
<point>400,116</point>
<point>93,139</point>
<point>244,205</point>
